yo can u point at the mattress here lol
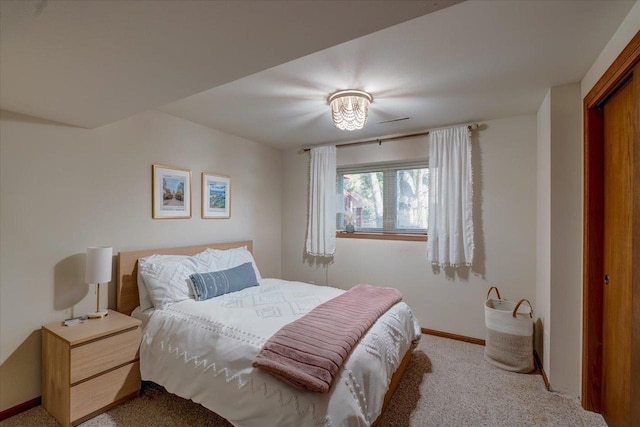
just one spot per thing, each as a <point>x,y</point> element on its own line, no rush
<point>203,350</point>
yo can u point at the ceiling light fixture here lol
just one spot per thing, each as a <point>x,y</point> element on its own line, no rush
<point>349,108</point>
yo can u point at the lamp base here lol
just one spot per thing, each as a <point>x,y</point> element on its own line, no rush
<point>98,314</point>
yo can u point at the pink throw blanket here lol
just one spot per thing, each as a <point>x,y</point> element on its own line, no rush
<point>309,352</point>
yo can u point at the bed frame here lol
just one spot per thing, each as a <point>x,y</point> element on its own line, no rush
<point>127,292</point>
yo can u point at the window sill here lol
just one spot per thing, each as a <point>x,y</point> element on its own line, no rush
<point>382,236</point>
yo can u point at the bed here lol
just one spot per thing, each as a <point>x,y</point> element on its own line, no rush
<point>203,350</point>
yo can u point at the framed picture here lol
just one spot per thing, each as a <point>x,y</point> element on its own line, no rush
<point>216,196</point>
<point>171,193</point>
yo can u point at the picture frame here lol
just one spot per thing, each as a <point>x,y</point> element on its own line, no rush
<point>171,192</point>
<point>216,196</point>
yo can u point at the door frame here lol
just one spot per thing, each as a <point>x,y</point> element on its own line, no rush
<point>593,228</point>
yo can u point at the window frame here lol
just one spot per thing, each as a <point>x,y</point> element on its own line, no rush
<point>389,170</point>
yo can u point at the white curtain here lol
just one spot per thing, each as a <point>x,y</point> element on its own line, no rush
<point>450,232</point>
<point>321,229</point>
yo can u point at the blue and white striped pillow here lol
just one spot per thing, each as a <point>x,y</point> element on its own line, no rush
<point>216,283</point>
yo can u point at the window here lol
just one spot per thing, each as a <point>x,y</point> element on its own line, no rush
<point>384,197</point>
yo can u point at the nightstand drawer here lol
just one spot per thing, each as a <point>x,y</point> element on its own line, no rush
<point>95,394</point>
<point>98,356</point>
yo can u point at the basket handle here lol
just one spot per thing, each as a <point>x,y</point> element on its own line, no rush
<point>515,310</point>
<point>497,292</point>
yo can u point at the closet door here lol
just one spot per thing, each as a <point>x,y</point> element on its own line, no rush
<point>621,193</point>
<point>611,244</point>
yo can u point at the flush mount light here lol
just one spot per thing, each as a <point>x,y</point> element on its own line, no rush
<point>349,108</point>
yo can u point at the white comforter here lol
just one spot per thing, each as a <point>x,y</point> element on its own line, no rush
<point>203,351</point>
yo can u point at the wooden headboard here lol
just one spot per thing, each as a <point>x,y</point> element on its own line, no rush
<point>127,293</point>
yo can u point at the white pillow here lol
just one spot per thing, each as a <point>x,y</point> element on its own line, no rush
<point>143,296</point>
<point>165,277</point>
<point>225,259</point>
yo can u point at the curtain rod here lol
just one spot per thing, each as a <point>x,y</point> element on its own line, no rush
<point>471,127</point>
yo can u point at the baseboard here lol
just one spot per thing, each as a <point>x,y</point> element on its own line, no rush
<point>453,336</point>
<point>536,358</point>
<point>21,407</point>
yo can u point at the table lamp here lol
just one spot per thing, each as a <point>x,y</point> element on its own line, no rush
<point>98,271</point>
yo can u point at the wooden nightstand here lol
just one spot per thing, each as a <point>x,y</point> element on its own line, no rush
<point>89,367</point>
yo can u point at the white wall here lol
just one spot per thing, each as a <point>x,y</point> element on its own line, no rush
<point>559,223</point>
<point>65,188</point>
<point>543,235</point>
<point>504,161</point>
<point>566,238</point>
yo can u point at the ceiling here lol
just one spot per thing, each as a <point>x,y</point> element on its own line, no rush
<point>89,63</point>
<point>263,70</point>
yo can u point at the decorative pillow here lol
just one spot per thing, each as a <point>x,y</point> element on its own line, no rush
<point>166,278</point>
<point>228,258</point>
<point>216,283</point>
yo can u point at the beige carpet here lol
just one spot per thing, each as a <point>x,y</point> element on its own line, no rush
<point>446,384</point>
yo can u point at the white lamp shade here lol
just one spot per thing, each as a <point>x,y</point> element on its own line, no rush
<point>98,264</point>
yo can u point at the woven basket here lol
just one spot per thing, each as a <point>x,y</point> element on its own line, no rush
<point>509,343</point>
